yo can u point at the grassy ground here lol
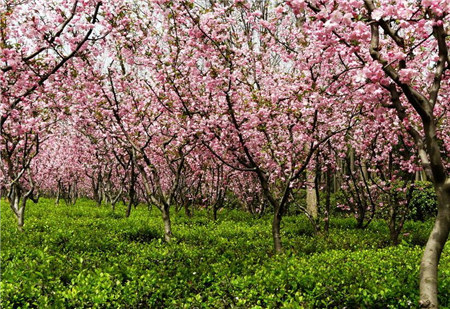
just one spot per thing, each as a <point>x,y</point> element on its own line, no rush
<point>85,256</point>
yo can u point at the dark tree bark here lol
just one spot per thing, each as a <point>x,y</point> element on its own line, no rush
<point>328,201</point>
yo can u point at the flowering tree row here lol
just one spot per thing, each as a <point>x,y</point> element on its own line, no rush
<point>175,103</point>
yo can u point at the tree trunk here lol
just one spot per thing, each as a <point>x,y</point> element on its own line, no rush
<point>128,212</point>
<point>328,202</point>
<point>95,192</point>
<point>132,189</point>
<point>219,203</point>
<point>115,200</point>
<point>19,210</point>
<point>58,193</point>
<point>215,212</point>
<point>393,233</point>
<point>20,217</point>
<point>187,210</point>
<point>263,206</point>
<point>276,227</point>
<point>17,202</point>
<point>433,249</point>
<point>360,218</point>
<point>439,234</point>
<point>167,225</point>
<point>311,195</point>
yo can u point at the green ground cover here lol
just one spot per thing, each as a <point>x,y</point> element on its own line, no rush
<point>85,256</point>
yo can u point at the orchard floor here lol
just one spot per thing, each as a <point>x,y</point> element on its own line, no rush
<point>84,256</point>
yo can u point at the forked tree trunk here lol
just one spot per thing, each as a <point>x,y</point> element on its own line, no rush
<point>360,218</point>
<point>18,201</point>
<point>397,217</point>
<point>19,211</point>
<point>115,199</point>
<point>433,249</point>
<point>162,203</point>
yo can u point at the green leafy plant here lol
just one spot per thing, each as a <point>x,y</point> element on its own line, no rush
<point>423,203</point>
<point>82,257</point>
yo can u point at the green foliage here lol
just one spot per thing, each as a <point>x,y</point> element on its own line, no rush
<point>336,279</point>
<point>88,257</point>
<point>423,202</point>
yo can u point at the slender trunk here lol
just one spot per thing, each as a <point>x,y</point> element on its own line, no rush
<point>351,160</point>
<point>167,225</point>
<point>279,210</point>
<point>311,195</point>
<point>100,190</point>
<point>328,203</point>
<point>132,190</point>
<point>364,171</point>
<point>397,217</point>
<point>338,175</point>
<point>317,191</point>
<point>433,249</point>
<point>393,230</point>
<point>100,198</point>
<point>276,226</point>
<point>115,199</point>
<point>263,207</point>
<point>360,218</point>
<point>128,212</point>
<point>21,217</point>
<point>187,210</point>
<point>95,191</point>
<point>218,204</point>
<point>215,212</point>
<point>107,197</point>
<point>58,194</point>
